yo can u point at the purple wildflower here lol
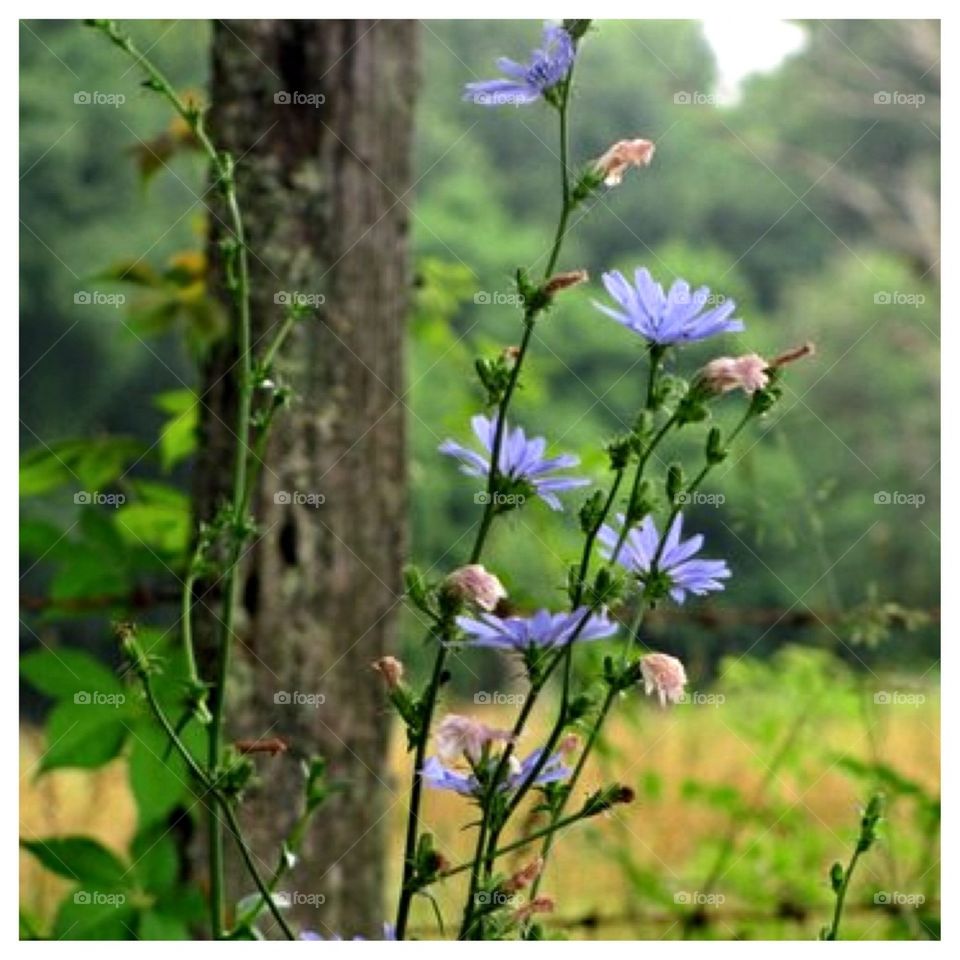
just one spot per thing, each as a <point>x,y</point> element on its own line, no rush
<point>682,573</point>
<point>675,317</point>
<point>527,82</point>
<point>436,775</point>
<point>521,460</point>
<point>543,629</point>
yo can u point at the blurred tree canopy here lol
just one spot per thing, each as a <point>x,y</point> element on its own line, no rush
<point>812,201</point>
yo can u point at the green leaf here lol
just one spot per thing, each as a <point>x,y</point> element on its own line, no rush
<point>82,859</point>
<point>95,915</point>
<point>159,519</point>
<point>158,777</point>
<point>156,860</point>
<point>87,466</point>
<point>155,925</point>
<point>178,436</point>
<point>64,673</point>
<point>83,735</point>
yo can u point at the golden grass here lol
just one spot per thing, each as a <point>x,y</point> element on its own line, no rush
<point>664,833</point>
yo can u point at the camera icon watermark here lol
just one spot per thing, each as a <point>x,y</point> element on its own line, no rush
<point>96,898</point>
<point>299,498</point>
<point>898,499</point>
<point>94,498</point>
<point>698,499</point>
<point>498,698</point>
<point>897,898</point>
<point>298,298</point>
<point>887,698</point>
<point>88,98</point>
<point>482,497</point>
<point>297,698</point>
<point>97,298</point>
<point>898,298</point>
<point>695,898</point>
<point>896,98</point>
<point>701,699</point>
<point>297,98</point>
<point>295,898</point>
<point>498,298</point>
<point>94,698</point>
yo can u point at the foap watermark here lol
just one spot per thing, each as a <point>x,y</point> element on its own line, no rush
<point>498,298</point>
<point>697,499</point>
<point>482,497</point>
<point>298,98</point>
<point>889,698</point>
<point>701,699</point>
<point>94,498</point>
<point>898,298</point>
<point>897,898</point>
<point>498,99</point>
<point>97,298</point>
<point>97,898</point>
<point>895,498</point>
<point>697,98</point>
<point>298,898</point>
<point>95,698</point>
<point>897,98</point>
<point>497,898</point>
<point>298,298</point>
<point>298,698</point>
<point>301,498</point>
<point>498,698</point>
<point>98,98</point>
<point>696,898</point>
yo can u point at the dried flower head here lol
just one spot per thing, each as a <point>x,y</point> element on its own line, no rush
<point>665,675</point>
<point>391,669</point>
<point>475,585</point>
<point>459,736</point>
<point>621,156</point>
<point>561,281</point>
<point>748,373</point>
<point>790,356</point>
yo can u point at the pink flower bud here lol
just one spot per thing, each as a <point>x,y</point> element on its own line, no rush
<point>621,156</point>
<point>526,876</point>
<point>665,674</point>
<point>458,736</point>
<point>473,584</point>
<point>542,904</point>
<point>748,373</point>
<point>391,669</point>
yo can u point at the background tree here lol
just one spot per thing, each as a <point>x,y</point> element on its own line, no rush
<point>319,115</point>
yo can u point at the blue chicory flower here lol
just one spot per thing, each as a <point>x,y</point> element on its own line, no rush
<point>439,777</point>
<point>675,317</point>
<point>543,629</point>
<point>521,460</point>
<point>683,573</point>
<point>527,82</point>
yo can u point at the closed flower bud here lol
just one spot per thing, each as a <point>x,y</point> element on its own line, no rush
<point>391,669</point>
<point>621,156</point>
<point>526,876</point>
<point>748,373</point>
<point>663,674</point>
<point>560,281</point>
<point>569,744</point>
<point>542,904</point>
<point>475,585</point>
